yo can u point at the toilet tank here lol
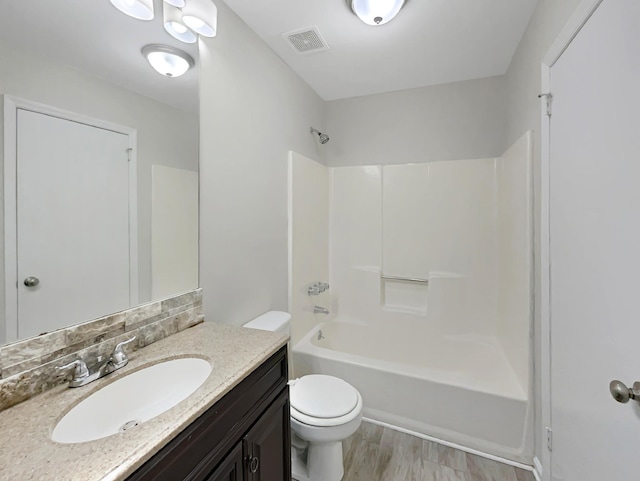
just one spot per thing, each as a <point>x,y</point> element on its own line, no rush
<point>275,321</point>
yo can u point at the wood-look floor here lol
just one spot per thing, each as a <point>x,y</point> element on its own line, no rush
<point>375,453</point>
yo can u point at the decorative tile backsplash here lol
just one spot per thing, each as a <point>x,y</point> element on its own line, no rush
<point>28,367</point>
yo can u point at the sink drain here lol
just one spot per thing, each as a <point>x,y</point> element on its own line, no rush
<point>129,425</point>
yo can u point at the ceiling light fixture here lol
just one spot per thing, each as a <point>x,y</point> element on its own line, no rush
<point>140,9</point>
<point>176,3</point>
<point>201,16</point>
<point>376,12</point>
<point>174,26</point>
<point>168,61</point>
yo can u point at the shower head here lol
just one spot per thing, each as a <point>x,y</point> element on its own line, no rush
<point>324,138</point>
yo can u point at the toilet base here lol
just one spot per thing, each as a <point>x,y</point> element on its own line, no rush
<point>318,462</point>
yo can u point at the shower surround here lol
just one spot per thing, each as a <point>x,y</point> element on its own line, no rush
<point>430,273</point>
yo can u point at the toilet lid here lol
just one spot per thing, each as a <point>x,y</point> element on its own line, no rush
<point>321,396</point>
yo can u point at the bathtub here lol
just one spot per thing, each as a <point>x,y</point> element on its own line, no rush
<point>454,388</point>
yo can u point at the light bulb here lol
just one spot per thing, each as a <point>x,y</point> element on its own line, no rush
<point>140,9</point>
<point>178,27</point>
<point>201,16</point>
<point>376,12</point>
<point>172,17</point>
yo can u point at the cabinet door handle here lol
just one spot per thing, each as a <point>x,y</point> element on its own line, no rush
<point>253,464</point>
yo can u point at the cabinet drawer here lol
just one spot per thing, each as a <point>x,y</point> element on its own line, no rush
<point>197,450</point>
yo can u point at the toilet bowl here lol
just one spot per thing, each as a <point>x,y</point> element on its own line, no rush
<point>325,410</point>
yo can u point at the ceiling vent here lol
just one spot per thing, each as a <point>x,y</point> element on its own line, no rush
<point>307,40</point>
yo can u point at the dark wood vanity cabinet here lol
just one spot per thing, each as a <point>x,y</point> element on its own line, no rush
<point>245,436</point>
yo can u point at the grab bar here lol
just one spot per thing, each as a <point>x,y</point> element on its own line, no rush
<point>405,279</point>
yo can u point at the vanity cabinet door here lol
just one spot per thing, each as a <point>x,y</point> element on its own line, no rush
<point>231,468</point>
<point>267,445</point>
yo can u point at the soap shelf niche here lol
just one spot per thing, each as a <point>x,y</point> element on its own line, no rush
<point>404,294</point>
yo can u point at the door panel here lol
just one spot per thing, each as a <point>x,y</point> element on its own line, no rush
<point>73,229</point>
<point>595,246</point>
<point>231,468</point>
<point>268,444</point>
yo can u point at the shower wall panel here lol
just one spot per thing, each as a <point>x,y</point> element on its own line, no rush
<point>515,260</point>
<point>356,242</point>
<point>308,240</point>
<point>440,217</point>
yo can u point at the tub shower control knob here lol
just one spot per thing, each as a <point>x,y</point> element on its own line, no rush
<point>622,393</point>
<point>317,288</point>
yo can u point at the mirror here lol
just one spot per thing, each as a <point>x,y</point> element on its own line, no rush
<point>73,79</point>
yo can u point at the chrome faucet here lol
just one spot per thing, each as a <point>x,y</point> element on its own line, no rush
<point>82,375</point>
<point>320,310</point>
<point>317,288</point>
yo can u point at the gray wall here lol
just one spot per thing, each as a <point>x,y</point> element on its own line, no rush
<point>523,82</point>
<point>166,136</point>
<point>254,109</point>
<point>461,120</point>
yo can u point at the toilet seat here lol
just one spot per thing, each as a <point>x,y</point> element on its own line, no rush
<point>324,401</point>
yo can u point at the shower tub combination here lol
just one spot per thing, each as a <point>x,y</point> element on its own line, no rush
<point>430,274</point>
<point>459,389</point>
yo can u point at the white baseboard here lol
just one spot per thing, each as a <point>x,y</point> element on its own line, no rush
<point>537,468</point>
<point>515,464</point>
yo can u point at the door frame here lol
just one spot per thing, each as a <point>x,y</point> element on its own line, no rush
<point>11,106</point>
<point>578,20</point>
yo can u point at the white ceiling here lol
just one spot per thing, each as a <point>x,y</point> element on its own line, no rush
<point>94,36</point>
<point>430,42</point>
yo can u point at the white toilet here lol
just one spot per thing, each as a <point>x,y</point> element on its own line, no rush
<point>325,410</point>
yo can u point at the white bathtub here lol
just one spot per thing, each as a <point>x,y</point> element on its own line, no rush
<point>459,389</point>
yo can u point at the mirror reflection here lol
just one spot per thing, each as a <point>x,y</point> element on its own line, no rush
<point>100,156</point>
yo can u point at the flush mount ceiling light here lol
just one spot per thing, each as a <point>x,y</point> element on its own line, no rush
<point>376,12</point>
<point>168,61</point>
<point>140,9</point>
<point>201,16</point>
<point>174,26</point>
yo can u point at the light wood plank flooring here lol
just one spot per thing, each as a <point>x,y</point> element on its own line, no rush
<point>375,453</point>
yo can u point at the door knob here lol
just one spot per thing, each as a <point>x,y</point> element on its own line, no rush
<point>31,281</point>
<point>622,393</point>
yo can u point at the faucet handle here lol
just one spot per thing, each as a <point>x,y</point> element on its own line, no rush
<point>80,370</point>
<point>118,356</point>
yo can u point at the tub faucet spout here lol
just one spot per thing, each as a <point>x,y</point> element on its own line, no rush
<point>320,310</point>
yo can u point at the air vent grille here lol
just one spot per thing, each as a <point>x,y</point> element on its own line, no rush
<point>307,40</point>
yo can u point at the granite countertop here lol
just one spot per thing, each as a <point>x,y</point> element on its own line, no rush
<point>28,453</point>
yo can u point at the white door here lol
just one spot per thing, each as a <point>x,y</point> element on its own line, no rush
<point>73,222</point>
<point>595,247</point>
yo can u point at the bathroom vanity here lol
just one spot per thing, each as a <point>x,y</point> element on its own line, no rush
<point>244,436</point>
<point>235,426</point>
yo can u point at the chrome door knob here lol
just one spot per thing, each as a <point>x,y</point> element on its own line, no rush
<point>622,393</point>
<point>31,281</point>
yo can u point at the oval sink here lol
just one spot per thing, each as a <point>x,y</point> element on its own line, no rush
<point>132,400</point>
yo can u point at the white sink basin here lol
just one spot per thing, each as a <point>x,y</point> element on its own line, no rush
<point>132,400</point>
